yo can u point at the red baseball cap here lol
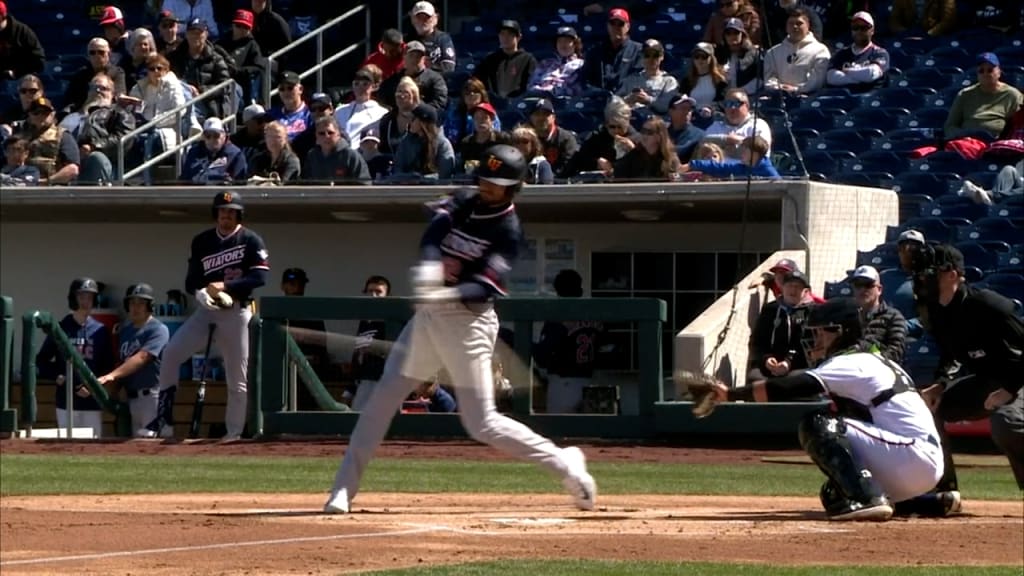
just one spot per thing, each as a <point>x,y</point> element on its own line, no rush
<point>486,107</point>
<point>243,17</point>
<point>618,14</point>
<point>111,15</point>
<point>784,265</point>
<point>3,9</point>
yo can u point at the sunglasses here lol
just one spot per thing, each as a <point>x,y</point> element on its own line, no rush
<point>652,54</point>
<point>155,68</point>
<point>860,28</point>
<point>616,23</point>
<point>168,24</point>
<point>97,52</point>
<point>863,285</point>
<point>40,112</point>
<point>700,56</point>
<point>211,135</point>
<point>986,69</point>
<point>326,133</point>
<point>733,104</point>
<point>28,90</point>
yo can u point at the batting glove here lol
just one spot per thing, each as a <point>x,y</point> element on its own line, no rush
<point>204,300</point>
<point>427,274</point>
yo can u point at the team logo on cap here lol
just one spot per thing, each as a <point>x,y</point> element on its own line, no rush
<point>227,197</point>
<point>493,163</point>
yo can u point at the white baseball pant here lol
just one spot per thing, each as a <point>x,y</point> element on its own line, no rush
<point>903,467</point>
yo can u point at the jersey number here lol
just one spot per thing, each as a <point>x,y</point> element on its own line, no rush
<point>584,348</point>
<point>231,274</point>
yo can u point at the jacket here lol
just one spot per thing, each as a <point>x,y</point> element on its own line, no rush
<point>979,330</point>
<point>78,86</point>
<point>433,89</point>
<point>103,127</point>
<point>20,51</point>
<point>342,165</point>
<point>714,32</point>
<point>246,59</point>
<point>743,68</point>
<point>886,329</point>
<point>606,66</point>
<point>601,144</point>
<point>506,75</point>
<point>158,99</point>
<point>92,341</point>
<point>223,166</point>
<point>46,149</point>
<point>23,175</point>
<point>777,16</point>
<point>287,166</point>
<point>272,33</point>
<point>204,72</point>
<point>409,157</point>
<point>388,66</point>
<point>558,76</point>
<point>558,146</point>
<point>777,335</point>
<point>638,165</point>
<point>390,134</point>
<point>804,65</point>
<point>937,18</point>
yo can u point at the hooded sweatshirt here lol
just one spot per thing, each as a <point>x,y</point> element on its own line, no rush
<point>804,64</point>
<point>341,165</point>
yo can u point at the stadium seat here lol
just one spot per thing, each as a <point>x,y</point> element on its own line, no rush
<point>820,119</point>
<point>948,56</point>
<point>921,359</point>
<point>1011,286</point>
<point>881,257</point>
<point>880,118</point>
<point>906,139</point>
<point>877,161</point>
<point>933,117</point>
<point>948,162</point>
<point>856,140</point>
<point>928,77</point>
<point>838,289</point>
<point>821,162</point>
<point>911,205</point>
<point>936,229</point>
<point>985,179</point>
<point>1012,208</point>
<point>973,273</point>
<point>1002,229</point>
<point>925,182</point>
<point>952,206</point>
<point>839,98</point>
<point>1009,262</point>
<point>907,97</point>
<point>975,254</point>
<point>892,278</point>
<point>868,179</point>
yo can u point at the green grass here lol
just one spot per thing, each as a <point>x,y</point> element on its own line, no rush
<point>63,474</point>
<point>598,568</point>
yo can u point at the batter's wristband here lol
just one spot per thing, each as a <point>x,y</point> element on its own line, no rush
<point>742,394</point>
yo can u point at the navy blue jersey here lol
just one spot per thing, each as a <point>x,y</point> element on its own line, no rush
<point>477,243</point>
<point>239,260</point>
<point>440,49</point>
<point>370,351</point>
<point>870,54</point>
<point>150,338</point>
<point>92,341</point>
<point>569,349</point>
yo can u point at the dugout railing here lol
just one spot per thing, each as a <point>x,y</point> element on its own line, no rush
<point>8,416</point>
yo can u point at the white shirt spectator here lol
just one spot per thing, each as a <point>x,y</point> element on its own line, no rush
<point>720,131</point>
<point>355,117</point>
<point>797,64</point>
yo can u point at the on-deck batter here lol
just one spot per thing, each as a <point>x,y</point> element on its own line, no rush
<point>467,252</point>
<point>227,258</point>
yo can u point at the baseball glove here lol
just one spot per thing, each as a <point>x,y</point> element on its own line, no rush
<point>701,388</point>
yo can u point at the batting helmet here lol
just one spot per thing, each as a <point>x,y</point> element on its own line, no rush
<point>81,285</point>
<point>141,291</point>
<point>503,165</point>
<point>227,199</point>
<point>569,284</point>
<point>839,315</point>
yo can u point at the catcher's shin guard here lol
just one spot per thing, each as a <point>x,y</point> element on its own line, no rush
<point>164,409</point>
<point>823,437</point>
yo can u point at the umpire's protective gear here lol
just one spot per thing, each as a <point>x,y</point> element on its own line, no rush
<point>81,285</point>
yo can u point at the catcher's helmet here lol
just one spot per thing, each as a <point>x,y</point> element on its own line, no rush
<point>81,285</point>
<point>141,291</point>
<point>227,199</point>
<point>503,165</point>
<point>838,315</point>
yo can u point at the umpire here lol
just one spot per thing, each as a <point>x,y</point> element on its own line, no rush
<point>981,347</point>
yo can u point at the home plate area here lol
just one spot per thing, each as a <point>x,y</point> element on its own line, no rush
<point>287,533</point>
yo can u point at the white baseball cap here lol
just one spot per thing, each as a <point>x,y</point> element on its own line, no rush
<point>864,17</point>
<point>423,8</point>
<point>213,125</point>
<point>865,273</point>
<point>911,236</point>
<point>253,111</point>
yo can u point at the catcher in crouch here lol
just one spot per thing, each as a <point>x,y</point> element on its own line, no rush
<point>880,444</point>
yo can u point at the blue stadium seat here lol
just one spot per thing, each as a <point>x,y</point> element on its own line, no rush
<point>880,118</point>
<point>973,273</point>
<point>948,56</point>
<point>877,161</point>
<point>1012,208</point>
<point>883,256</point>
<point>933,117</point>
<point>920,360</point>
<point>856,140</point>
<point>928,77</point>
<point>838,289</point>
<point>1010,262</point>
<point>936,229</point>
<point>1002,229</point>
<point>578,122</point>
<point>815,118</point>
<point>975,254</point>
<point>839,98</point>
<point>906,139</point>
<point>907,97</point>
<point>916,45</point>
<point>819,162</point>
<point>986,179</point>
<point>911,205</point>
<point>1009,285</point>
<point>952,206</point>
<point>943,161</point>
<point>925,182</point>
<point>867,179</point>
<point>892,278</point>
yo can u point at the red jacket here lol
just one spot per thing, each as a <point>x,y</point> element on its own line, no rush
<point>380,60</point>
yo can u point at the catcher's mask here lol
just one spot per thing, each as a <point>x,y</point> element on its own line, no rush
<point>831,327</point>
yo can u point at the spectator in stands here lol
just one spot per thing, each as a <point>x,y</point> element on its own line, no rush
<point>201,67</point>
<point>1000,16</point>
<point>369,148</point>
<point>116,34</point>
<point>277,162</point>
<point>99,61</point>
<point>778,17</point>
<point>684,135</point>
<point>363,112</point>
<point>141,43</point>
<point>507,71</point>
<point>737,125</point>
<point>20,50</point>
<point>215,160</point>
<point>985,107</point>
<point>17,171</point>
<point>557,144</point>
<point>189,10</point>
<point>777,276</point>
<point>914,17</point>
<point>653,159</point>
<point>433,89</point>
<point>425,150</point>
<point>320,105</point>
<point>271,32</point>
<point>742,10</point>
<point>614,59</point>
<point>740,58</point>
<point>30,88</point>
<point>705,81</point>
<point>395,124</point>
<point>754,162</point>
<point>708,151</point>
<point>438,45</point>
<point>332,160</point>
<point>52,149</point>
<point>775,348</point>
<point>159,92</point>
<point>538,168</point>
<point>559,76</point>
<point>863,65</point>
<point>389,54</point>
<point>102,128</point>
<point>168,39</point>
<point>250,136</point>
<point>798,64</point>
<point>651,87</point>
<point>292,112</point>
<point>885,329</point>
<point>459,121</point>
<point>484,135</point>
<point>1009,182</point>
<point>612,141</point>
<point>249,64</point>
<point>909,246</point>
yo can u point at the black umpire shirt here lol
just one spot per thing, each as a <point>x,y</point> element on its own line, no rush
<point>980,330</point>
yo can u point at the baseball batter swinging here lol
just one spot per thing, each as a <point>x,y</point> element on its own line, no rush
<point>227,263</point>
<point>466,254</point>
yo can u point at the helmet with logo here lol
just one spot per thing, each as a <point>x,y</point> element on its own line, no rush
<point>83,284</point>
<point>839,316</point>
<point>503,165</point>
<point>228,199</point>
<point>142,291</point>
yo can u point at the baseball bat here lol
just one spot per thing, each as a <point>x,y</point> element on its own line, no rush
<point>200,402</point>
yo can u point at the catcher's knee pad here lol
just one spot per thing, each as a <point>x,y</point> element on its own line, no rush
<point>823,437</point>
<point>821,427</point>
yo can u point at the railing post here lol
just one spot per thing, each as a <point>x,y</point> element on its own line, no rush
<point>370,46</point>
<point>320,58</point>
<point>69,399</point>
<point>120,161</point>
<point>29,406</point>
<point>268,81</point>
<point>8,417</point>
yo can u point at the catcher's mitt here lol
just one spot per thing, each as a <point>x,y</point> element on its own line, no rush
<point>701,388</point>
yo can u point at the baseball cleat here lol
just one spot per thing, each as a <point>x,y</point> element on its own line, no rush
<point>337,503</point>
<point>951,503</point>
<point>877,510</point>
<point>579,482</point>
<point>166,431</point>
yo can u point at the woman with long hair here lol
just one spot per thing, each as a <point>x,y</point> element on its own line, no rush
<point>425,150</point>
<point>651,86</point>
<point>705,81</point>
<point>159,92</point>
<point>539,169</point>
<point>141,44</point>
<point>395,124</point>
<point>278,159</point>
<point>458,123</point>
<point>740,58</point>
<point>559,76</point>
<point>654,158</point>
<point>741,10</point>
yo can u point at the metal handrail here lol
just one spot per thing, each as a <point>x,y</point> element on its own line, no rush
<point>155,122</point>
<point>318,33</point>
